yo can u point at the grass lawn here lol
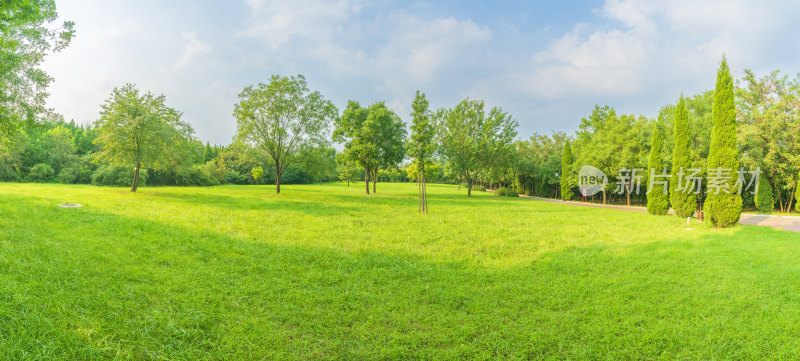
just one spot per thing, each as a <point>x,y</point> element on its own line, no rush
<point>324,272</point>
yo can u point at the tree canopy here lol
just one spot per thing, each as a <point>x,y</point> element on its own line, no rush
<point>373,138</point>
<point>281,117</point>
<point>472,140</point>
<point>25,40</point>
<point>139,130</point>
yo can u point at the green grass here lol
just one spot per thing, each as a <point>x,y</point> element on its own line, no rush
<point>324,272</point>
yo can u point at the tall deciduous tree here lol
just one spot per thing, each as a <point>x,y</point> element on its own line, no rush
<point>723,206</point>
<point>421,144</point>
<point>657,197</point>
<point>373,138</point>
<point>566,172</point>
<point>138,130</point>
<point>281,117</point>
<point>25,39</point>
<point>769,131</point>
<point>472,140</point>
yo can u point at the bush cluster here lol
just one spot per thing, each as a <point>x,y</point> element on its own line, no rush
<point>505,192</point>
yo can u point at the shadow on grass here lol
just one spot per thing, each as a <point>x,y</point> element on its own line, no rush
<point>253,203</point>
<point>84,284</point>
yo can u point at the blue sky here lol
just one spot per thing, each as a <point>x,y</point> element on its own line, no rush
<point>545,62</point>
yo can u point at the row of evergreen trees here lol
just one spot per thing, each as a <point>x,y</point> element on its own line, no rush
<point>689,149</point>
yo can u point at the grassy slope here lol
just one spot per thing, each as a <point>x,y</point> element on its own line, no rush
<point>325,272</point>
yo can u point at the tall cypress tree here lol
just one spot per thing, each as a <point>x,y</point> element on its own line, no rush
<point>763,198</point>
<point>657,198</point>
<point>723,208</point>
<point>566,166</point>
<point>684,201</point>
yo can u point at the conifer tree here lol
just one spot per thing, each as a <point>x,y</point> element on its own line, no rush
<point>566,166</point>
<point>684,201</point>
<point>657,197</point>
<point>763,198</point>
<point>723,206</point>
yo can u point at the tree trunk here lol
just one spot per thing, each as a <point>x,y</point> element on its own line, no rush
<point>135,184</point>
<point>366,178</point>
<point>791,197</point>
<point>374,180</point>
<point>277,177</point>
<point>424,192</point>
<point>469,189</point>
<point>604,196</point>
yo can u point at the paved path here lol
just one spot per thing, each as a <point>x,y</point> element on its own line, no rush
<point>787,223</point>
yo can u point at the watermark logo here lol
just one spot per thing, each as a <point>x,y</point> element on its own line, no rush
<point>591,180</point>
<point>629,180</point>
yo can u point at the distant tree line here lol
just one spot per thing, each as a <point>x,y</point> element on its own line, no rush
<point>285,134</point>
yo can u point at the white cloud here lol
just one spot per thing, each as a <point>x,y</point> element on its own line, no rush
<point>279,22</point>
<point>193,48</point>
<point>653,41</point>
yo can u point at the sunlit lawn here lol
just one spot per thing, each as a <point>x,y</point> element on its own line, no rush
<point>325,272</point>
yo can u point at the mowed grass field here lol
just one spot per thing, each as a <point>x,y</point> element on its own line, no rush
<point>325,272</point>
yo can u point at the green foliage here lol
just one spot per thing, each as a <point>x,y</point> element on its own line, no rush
<point>373,137</point>
<point>763,198</point>
<point>257,172</point>
<point>473,141</point>
<point>420,145</point>
<point>684,202</point>
<point>139,131</point>
<point>347,171</point>
<point>115,175</point>
<point>539,164</point>
<point>501,192</point>
<point>67,176</point>
<point>769,130</point>
<point>25,39</point>
<point>797,197</point>
<point>657,197</point>
<point>722,209</point>
<point>612,142</point>
<point>566,172</point>
<point>281,118</point>
<point>41,173</point>
<point>319,163</point>
<point>60,145</point>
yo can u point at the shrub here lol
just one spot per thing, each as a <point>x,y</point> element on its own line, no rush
<point>117,176</point>
<point>41,173</point>
<point>195,175</point>
<point>501,191</point>
<point>479,188</point>
<point>67,176</point>
<point>763,199</point>
<point>512,193</point>
<point>234,177</point>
